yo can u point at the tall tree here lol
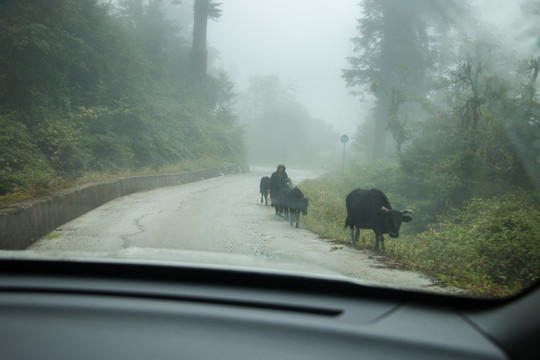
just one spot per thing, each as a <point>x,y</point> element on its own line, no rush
<point>202,11</point>
<point>396,53</point>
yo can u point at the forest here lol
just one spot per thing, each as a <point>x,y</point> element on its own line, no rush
<point>96,89</point>
<point>93,88</point>
<point>455,136</point>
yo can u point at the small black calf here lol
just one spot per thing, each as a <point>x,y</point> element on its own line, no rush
<point>264,187</point>
<point>296,202</point>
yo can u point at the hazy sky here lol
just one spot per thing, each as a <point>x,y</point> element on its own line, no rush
<point>305,42</point>
<point>518,29</point>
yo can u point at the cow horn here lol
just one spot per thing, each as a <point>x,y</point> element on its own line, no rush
<point>384,209</point>
<point>407,211</point>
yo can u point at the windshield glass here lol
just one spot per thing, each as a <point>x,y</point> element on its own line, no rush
<point>391,142</point>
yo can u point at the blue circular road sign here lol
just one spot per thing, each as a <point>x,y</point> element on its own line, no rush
<point>344,138</point>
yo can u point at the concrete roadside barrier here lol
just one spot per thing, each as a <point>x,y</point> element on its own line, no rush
<point>23,223</point>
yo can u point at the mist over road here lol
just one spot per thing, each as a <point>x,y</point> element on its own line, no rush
<point>218,215</point>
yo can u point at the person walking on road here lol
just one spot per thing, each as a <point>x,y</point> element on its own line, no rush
<point>277,188</point>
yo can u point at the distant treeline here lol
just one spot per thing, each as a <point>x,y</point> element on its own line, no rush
<point>278,128</point>
<point>87,87</point>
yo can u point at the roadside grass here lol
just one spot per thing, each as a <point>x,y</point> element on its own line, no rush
<point>53,186</point>
<point>53,235</point>
<point>326,211</point>
<point>490,247</point>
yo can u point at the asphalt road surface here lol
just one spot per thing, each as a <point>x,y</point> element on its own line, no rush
<point>206,219</point>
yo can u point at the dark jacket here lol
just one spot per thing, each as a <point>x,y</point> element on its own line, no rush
<point>277,184</point>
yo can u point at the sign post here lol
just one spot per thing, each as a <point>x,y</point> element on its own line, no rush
<point>344,140</point>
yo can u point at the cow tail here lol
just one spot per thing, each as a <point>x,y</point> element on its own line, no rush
<point>347,222</point>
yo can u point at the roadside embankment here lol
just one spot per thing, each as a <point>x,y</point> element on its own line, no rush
<point>23,223</point>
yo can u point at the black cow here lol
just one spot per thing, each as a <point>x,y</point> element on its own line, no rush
<point>370,209</point>
<point>264,187</point>
<point>296,203</point>
<point>278,199</point>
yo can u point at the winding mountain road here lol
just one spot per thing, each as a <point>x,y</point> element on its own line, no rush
<point>205,219</point>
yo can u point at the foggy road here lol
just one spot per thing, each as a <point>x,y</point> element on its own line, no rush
<point>219,215</point>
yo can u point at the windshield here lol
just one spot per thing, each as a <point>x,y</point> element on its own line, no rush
<point>395,143</point>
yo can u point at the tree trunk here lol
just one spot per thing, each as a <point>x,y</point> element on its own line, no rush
<point>379,135</point>
<point>199,53</point>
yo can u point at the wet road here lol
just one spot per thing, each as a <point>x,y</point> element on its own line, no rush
<point>219,215</point>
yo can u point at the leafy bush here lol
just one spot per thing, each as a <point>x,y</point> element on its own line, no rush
<point>22,167</point>
<point>491,247</point>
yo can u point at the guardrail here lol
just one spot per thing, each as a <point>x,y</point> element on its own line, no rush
<point>23,223</point>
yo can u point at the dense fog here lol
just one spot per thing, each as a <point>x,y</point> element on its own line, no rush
<point>439,99</point>
<point>378,96</point>
<point>139,84</point>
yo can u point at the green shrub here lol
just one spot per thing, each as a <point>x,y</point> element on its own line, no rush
<point>22,167</point>
<point>491,247</point>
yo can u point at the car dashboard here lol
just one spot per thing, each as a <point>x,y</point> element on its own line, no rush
<point>103,309</point>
